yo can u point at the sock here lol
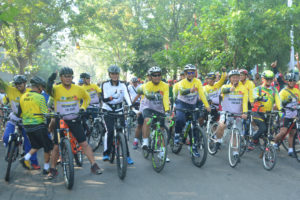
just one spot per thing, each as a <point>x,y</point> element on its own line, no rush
<point>291,150</point>
<point>27,156</point>
<point>136,140</point>
<point>46,166</point>
<point>145,141</point>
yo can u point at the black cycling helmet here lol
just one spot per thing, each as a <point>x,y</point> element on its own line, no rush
<point>19,79</point>
<point>65,70</point>
<point>134,80</point>
<point>114,69</point>
<point>189,67</point>
<point>211,75</point>
<point>290,77</point>
<point>233,72</point>
<point>38,81</point>
<point>85,75</point>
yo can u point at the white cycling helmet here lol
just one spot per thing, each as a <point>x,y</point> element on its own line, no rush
<point>189,67</point>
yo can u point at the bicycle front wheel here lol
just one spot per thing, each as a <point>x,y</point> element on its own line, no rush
<point>94,139</point>
<point>269,157</point>
<point>296,145</point>
<point>67,163</point>
<point>121,156</point>
<point>159,150</point>
<point>201,145</point>
<point>10,158</point>
<point>234,148</point>
<point>212,138</point>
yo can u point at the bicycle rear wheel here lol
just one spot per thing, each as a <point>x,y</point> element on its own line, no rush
<point>121,156</point>
<point>234,148</point>
<point>269,157</point>
<point>67,163</point>
<point>201,146</point>
<point>10,158</point>
<point>211,139</point>
<point>176,148</point>
<point>159,150</point>
<point>79,158</point>
<point>296,145</point>
<point>145,152</point>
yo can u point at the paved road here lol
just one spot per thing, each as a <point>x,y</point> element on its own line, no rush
<point>180,179</point>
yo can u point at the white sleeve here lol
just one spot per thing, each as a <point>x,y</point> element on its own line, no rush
<point>127,96</point>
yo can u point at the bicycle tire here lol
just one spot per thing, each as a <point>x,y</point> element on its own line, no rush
<point>201,145</point>
<point>211,137</point>
<point>234,159</point>
<point>269,156</point>
<point>145,152</point>
<point>94,139</point>
<point>285,143</point>
<point>79,158</point>
<point>121,156</point>
<point>175,148</point>
<point>244,144</point>
<point>158,145</point>
<point>67,163</point>
<point>296,145</point>
<point>113,153</point>
<point>11,150</point>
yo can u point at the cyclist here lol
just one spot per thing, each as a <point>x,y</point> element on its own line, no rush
<point>234,100</point>
<point>114,92</point>
<point>155,101</point>
<point>289,97</point>
<point>67,98</point>
<point>187,92</point>
<point>264,98</point>
<point>14,94</point>
<point>132,89</point>
<point>212,91</point>
<point>31,103</point>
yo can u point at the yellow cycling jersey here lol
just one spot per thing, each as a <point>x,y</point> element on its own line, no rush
<point>213,91</point>
<point>14,96</point>
<point>249,85</point>
<point>290,99</point>
<point>236,101</point>
<point>269,97</point>
<point>160,93</point>
<point>93,91</point>
<point>184,86</point>
<point>33,103</point>
<point>67,101</point>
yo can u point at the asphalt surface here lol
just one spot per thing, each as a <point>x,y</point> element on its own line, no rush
<point>180,179</point>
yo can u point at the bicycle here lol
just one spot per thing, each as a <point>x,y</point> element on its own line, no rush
<point>158,147</point>
<point>5,116</point>
<point>211,128</point>
<point>192,129</point>
<point>97,129</point>
<point>14,145</point>
<point>119,149</point>
<point>69,148</point>
<point>130,119</point>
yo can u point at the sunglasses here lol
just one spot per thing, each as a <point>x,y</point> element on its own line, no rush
<point>156,75</point>
<point>190,73</point>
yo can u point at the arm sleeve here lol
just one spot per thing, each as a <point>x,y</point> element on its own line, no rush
<point>251,88</point>
<point>277,100</point>
<point>245,101</point>
<point>127,96</point>
<point>166,101</point>
<point>202,95</point>
<point>221,81</point>
<point>86,99</point>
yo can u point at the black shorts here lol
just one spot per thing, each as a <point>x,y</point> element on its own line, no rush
<point>140,119</point>
<point>75,127</point>
<point>286,123</point>
<point>147,113</point>
<point>39,138</point>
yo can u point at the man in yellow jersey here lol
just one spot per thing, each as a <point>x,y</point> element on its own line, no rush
<point>31,103</point>
<point>290,97</point>
<point>156,100</point>
<point>213,90</point>
<point>94,92</point>
<point>234,100</point>
<point>67,97</point>
<point>14,94</point>
<point>264,98</point>
<point>187,92</point>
